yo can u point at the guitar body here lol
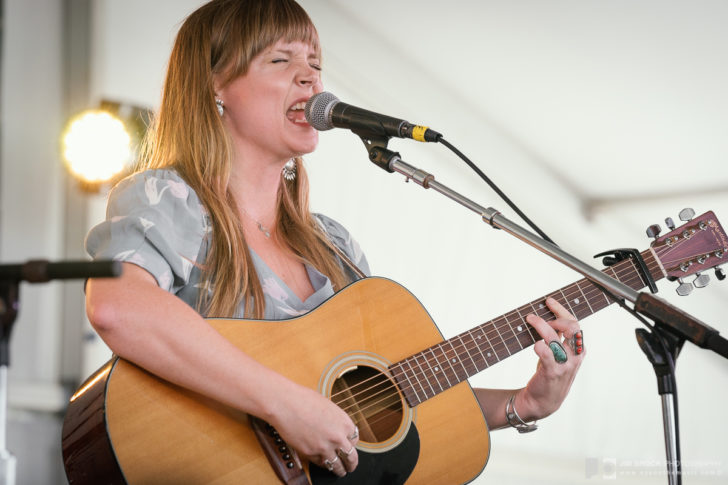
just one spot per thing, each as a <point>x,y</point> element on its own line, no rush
<point>127,426</point>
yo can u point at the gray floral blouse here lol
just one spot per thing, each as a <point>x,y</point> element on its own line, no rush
<point>155,220</point>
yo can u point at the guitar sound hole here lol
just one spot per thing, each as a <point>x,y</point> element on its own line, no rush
<point>372,401</point>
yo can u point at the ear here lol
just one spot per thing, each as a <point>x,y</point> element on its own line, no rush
<point>218,84</point>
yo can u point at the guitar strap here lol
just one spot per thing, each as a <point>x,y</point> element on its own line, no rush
<point>345,259</point>
<point>342,256</point>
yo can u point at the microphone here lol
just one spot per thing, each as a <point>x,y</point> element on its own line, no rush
<point>324,111</point>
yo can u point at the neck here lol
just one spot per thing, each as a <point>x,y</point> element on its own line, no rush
<point>255,183</point>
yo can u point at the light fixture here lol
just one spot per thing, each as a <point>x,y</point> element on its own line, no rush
<point>100,145</point>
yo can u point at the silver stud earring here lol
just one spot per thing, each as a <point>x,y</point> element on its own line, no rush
<point>220,106</point>
<point>289,170</point>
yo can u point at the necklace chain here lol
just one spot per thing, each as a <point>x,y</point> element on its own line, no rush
<point>261,227</point>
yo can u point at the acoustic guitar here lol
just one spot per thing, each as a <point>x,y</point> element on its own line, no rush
<point>373,350</point>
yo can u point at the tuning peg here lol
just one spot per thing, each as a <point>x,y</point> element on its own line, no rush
<point>654,230</point>
<point>686,214</point>
<point>670,223</point>
<point>719,273</point>
<point>701,280</point>
<point>684,289</point>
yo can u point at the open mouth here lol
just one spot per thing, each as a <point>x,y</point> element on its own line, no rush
<point>295,113</point>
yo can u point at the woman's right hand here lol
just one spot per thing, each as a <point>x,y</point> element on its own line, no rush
<point>318,429</point>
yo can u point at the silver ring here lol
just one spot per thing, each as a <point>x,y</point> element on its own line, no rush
<point>330,463</point>
<point>343,453</point>
<point>354,435</point>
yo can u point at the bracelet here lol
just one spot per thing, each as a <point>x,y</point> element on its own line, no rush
<point>515,420</point>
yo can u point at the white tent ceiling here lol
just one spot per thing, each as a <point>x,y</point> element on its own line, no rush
<point>618,99</point>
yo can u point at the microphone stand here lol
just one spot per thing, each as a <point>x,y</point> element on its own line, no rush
<point>37,271</point>
<point>675,326</point>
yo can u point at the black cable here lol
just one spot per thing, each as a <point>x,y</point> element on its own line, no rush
<point>497,190</point>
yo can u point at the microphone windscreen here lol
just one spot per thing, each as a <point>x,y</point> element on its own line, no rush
<point>318,110</point>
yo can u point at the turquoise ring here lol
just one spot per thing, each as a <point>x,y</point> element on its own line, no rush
<point>559,352</point>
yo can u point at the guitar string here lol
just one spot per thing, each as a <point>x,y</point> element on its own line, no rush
<point>546,313</point>
<point>467,366</point>
<point>457,377</point>
<point>464,344</point>
<point>384,406</point>
<point>590,291</point>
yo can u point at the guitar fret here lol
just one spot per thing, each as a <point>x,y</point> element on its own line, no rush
<point>423,375</point>
<point>524,334</point>
<point>643,283</point>
<point>480,349</point>
<point>470,356</point>
<point>453,378</point>
<point>409,392</point>
<point>505,346</point>
<point>434,371</point>
<point>578,285</point>
<point>439,368</point>
<point>565,302</point>
<point>414,374</point>
<point>581,307</point>
<point>456,359</point>
<point>513,331</point>
<point>491,357</point>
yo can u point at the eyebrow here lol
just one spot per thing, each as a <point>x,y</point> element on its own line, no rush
<point>291,53</point>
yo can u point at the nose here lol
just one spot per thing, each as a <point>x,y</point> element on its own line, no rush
<point>307,75</point>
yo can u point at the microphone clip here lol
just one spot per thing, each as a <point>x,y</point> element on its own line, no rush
<point>376,146</point>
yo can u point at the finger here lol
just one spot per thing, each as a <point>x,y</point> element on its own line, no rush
<point>544,329</point>
<point>543,351</point>
<point>335,465</point>
<point>565,322</point>
<point>349,457</point>
<point>558,309</point>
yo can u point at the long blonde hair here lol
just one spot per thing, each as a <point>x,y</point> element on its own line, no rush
<point>221,38</point>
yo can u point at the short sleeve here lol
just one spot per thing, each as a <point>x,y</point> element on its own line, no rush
<point>154,220</point>
<point>344,241</point>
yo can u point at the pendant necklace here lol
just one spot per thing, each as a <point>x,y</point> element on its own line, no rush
<point>261,227</point>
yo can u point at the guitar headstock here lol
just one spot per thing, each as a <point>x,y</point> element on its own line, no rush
<point>696,246</point>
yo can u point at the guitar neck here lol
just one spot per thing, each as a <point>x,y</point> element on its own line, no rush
<point>436,369</point>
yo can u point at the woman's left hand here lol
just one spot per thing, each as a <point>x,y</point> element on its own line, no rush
<point>548,387</point>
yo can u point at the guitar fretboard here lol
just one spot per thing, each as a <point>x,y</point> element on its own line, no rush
<point>438,368</point>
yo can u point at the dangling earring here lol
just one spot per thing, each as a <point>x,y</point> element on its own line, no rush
<point>220,106</point>
<point>289,170</point>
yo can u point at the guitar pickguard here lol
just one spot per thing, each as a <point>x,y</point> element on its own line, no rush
<point>393,467</point>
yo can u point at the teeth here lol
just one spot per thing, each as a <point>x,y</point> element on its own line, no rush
<point>298,106</point>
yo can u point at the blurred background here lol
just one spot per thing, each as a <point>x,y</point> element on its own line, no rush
<point>598,118</point>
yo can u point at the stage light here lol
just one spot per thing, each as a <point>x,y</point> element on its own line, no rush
<point>101,145</point>
<point>97,147</point>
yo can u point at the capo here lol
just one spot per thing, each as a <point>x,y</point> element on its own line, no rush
<point>614,256</point>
